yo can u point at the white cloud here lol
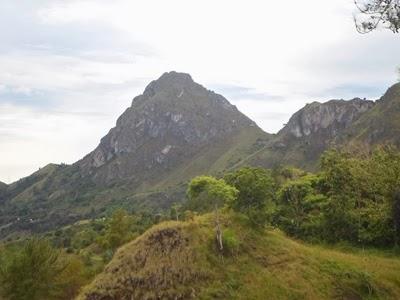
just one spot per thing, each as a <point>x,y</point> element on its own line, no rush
<point>65,61</point>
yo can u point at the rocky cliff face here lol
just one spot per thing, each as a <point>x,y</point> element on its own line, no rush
<point>172,120</point>
<point>332,117</point>
<point>310,131</point>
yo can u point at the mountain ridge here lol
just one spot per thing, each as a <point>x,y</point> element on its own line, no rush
<point>175,130</point>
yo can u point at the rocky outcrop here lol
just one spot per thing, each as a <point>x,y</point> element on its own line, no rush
<point>334,116</point>
<point>310,131</point>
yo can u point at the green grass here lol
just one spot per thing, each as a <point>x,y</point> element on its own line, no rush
<point>179,260</point>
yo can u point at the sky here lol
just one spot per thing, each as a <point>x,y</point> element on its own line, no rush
<point>70,68</point>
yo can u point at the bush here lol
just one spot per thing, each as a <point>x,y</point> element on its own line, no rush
<point>230,242</point>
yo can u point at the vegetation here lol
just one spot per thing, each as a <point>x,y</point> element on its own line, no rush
<point>206,192</point>
<point>256,193</point>
<point>38,271</point>
<point>354,200</point>
<point>179,260</point>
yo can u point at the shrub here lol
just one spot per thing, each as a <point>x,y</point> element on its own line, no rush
<point>230,242</point>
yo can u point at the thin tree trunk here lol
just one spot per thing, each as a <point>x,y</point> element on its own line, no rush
<point>218,230</point>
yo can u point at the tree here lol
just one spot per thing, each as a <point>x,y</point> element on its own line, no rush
<point>205,192</point>
<point>118,230</point>
<point>377,13</point>
<point>256,190</point>
<point>38,271</point>
<point>255,186</point>
<point>300,205</point>
<point>396,217</point>
<point>176,211</point>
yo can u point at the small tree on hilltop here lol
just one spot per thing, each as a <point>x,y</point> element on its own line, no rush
<point>207,191</point>
<point>256,190</point>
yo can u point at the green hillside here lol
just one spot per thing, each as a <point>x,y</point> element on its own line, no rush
<point>180,260</point>
<point>381,124</point>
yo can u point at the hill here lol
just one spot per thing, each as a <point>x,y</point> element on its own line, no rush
<point>381,124</point>
<point>179,260</point>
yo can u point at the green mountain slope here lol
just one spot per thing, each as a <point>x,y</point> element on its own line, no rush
<point>381,124</point>
<point>180,260</point>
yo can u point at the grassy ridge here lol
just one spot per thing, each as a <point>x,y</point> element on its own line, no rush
<point>179,260</point>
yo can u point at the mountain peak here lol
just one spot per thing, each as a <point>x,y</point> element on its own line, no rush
<point>176,76</point>
<point>174,118</point>
<point>169,81</point>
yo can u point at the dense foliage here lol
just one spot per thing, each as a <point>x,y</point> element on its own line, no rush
<point>354,198</point>
<point>38,271</point>
<point>206,192</point>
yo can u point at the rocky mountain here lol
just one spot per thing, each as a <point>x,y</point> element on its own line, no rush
<point>170,122</point>
<point>175,130</point>
<point>310,131</point>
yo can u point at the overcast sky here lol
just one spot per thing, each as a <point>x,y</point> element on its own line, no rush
<point>68,69</point>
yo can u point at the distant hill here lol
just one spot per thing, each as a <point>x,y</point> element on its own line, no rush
<point>179,260</point>
<point>381,124</point>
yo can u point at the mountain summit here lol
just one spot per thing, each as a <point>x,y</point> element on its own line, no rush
<point>170,122</point>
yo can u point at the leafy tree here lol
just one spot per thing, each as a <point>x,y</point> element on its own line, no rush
<point>396,216</point>
<point>118,230</point>
<point>206,192</point>
<point>256,190</point>
<point>339,222</point>
<point>255,186</point>
<point>360,187</point>
<point>377,13</point>
<point>38,271</point>
<point>176,211</point>
<point>300,207</point>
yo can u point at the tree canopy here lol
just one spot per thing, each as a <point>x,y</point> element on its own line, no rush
<point>204,192</point>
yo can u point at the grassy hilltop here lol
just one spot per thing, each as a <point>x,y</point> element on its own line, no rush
<point>180,260</point>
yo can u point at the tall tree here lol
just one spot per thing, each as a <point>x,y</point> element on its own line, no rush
<point>206,192</point>
<point>256,190</point>
<point>37,271</point>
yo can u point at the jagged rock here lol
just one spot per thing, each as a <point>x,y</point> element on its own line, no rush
<point>334,115</point>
